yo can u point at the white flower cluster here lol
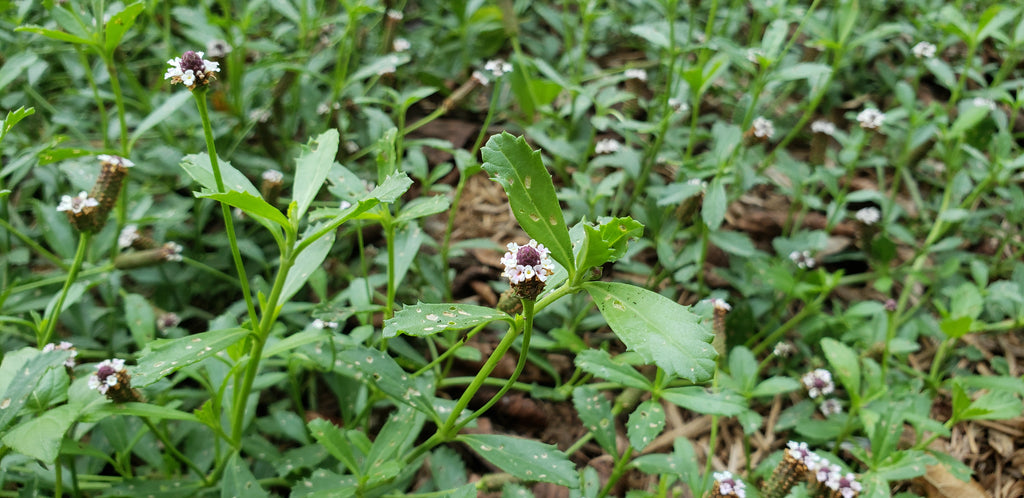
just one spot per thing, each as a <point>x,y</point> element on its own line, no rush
<point>763,128</point>
<point>321,324</point>
<point>115,160</point>
<point>636,74</point>
<point>923,50</point>
<point>824,471</point>
<point>871,118</point>
<point>869,215</point>
<point>105,375</point>
<point>518,271</point>
<point>129,234</point>
<point>729,485</point>
<point>803,259</point>
<point>818,383</point>
<point>78,203</point>
<point>498,67</point>
<point>190,67</point>
<point>822,126</point>
<point>63,346</point>
<point>607,146</point>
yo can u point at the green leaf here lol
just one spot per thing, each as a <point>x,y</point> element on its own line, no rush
<point>970,116</point>
<point>154,412</point>
<point>743,368</point>
<point>306,262</point>
<point>238,480</point>
<point>141,320</point>
<point>607,241</point>
<point>40,436</point>
<point>775,385</point>
<point>198,167</point>
<point>423,206</point>
<point>397,435</point>
<point>333,439</point>
<point>600,364</point>
<point>904,464</point>
<point>447,468</point>
<point>428,319</point>
<point>662,331</point>
<point>311,168</point>
<point>713,209</point>
<point>380,370</point>
<point>21,372</point>
<point>845,364</point>
<point>531,192</point>
<point>55,34</point>
<point>525,459</point>
<point>164,357</point>
<point>392,188</point>
<point>698,399</point>
<point>119,24</point>
<point>645,423</point>
<point>12,68</point>
<point>159,115</point>
<point>595,411</point>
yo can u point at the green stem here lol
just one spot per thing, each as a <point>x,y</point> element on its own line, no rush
<point>229,225</point>
<point>76,265</point>
<point>777,334</point>
<point>115,87</point>
<point>389,304</point>
<point>33,245</point>
<point>100,107</point>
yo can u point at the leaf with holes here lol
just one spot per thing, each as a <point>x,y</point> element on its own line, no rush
<point>525,459</point>
<point>645,423</point>
<point>164,357</point>
<point>380,370</point>
<point>662,331</point>
<point>595,411</point>
<point>531,193</point>
<point>428,319</point>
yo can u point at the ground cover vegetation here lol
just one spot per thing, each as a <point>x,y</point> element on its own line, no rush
<point>523,248</point>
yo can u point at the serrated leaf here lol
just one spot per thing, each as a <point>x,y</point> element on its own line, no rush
<point>311,168</point>
<point>164,357</point>
<point>392,188</point>
<point>531,193</point>
<point>40,436</point>
<point>595,411</point>
<point>600,364</point>
<point>22,372</point>
<point>607,241</point>
<point>447,468</point>
<point>119,24</point>
<point>332,439</point>
<point>645,423</point>
<point>198,167</point>
<point>238,480</point>
<point>662,331</point>
<point>428,319</point>
<point>698,399</point>
<point>525,459</point>
<point>844,362</point>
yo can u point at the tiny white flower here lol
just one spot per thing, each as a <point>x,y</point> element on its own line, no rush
<point>822,126</point>
<point>607,146</point>
<point>218,48</point>
<point>636,74</point>
<point>818,382</point>
<point>115,160</point>
<point>828,473</point>
<point>871,118</point>
<point>983,102</point>
<point>191,69</point>
<point>923,50</point>
<point>801,452</point>
<point>498,67</point>
<point>729,485</point>
<point>351,146</point>
<point>78,203</point>
<point>272,176</point>
<point>63,346</point>
<point>868,215</point>
<point>401,45</point>
<point>802,259</point>
<point>105,375</point>
<point>128,235</point>
<point>321,324</point>
<point>172,251</point>
<point>847,485</point>
<point>720,304</point>
<point>678,105</point>
<point>344,205</point>
<point>783,349</point>
<point>831,406</point>
<point>395,15</point>
<point>260,115</point>
<point>480,77</point>
<point>763,128</point>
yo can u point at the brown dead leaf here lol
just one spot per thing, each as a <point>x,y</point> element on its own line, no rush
<point>939,483</point>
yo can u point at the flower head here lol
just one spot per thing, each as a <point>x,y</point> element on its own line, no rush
<point>818,383</point>
<point>822,126</point>
<point>167,320</point>
<point>218,48</point>
<point>63,346</point>
<point>983,102</point>
<point>763,128</point>
<point>118,161</point>
<point>129,234</point>
<point>831,406</point>
<point>869,215</point>
<point>923,50</point>
<point>727,485</point>
<point>498,67</point>
<point>802,453</point>
<point>847,485</point>
<point>636,74</point>
<point>803,259</point>
<point>401,45</point>
<point>106,375</point>
<point>871,118</point>
<point>191,70</point>
<point>783,349</point>
<point>527,268</point>
<point>171,251</point>
<point>78,203</point>
<point>321,324</point>
<point>828,474</point>
<point>395,15</point>
<point>607,146</point>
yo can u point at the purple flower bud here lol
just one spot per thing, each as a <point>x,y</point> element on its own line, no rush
<point>191,60</point>
<point>528,256</point>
